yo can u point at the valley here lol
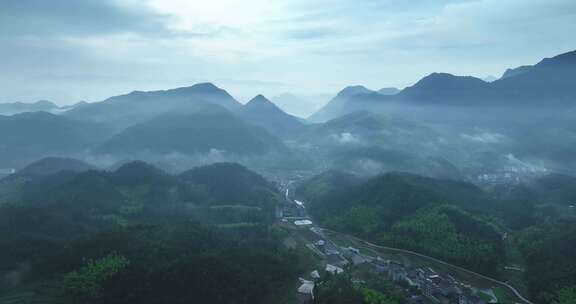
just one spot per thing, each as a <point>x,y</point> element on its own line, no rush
<point>351,254</point>
<point>451,190</point>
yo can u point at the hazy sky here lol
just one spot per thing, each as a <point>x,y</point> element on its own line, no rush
<point>69,50</point>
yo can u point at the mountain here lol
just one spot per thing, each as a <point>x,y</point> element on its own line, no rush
<point>445,88</point>
<point>262,112</point>
<point>20,107</point>
<point>318,188</point>
<point>414,212</point>
<point>51,165</point>
<point>389,91</point>
<point>370,161</point>
<point>550,83</point>
<point>209,129</point>
<point>549,189</point>
<point>138,106</point>
<point>297,105</point>
<point>70,107</point>
<point>234,184</point>
<point>29,136</point>
<point>366,129</point>
<point>336,105</point>
<point>138,228</point>
<point>34,176</point>
<point>516,71</point>
<point>549,255</point>
<point>401,194</point>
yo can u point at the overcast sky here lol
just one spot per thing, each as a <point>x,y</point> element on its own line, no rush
<point>71,50</point>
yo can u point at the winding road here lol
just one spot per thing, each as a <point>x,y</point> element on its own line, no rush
<point>504,285</point>
<point>408,252</point>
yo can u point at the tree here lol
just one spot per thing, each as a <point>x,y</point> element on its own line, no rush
<point>567,296</point>
<point>337,290</point>
<point>86,283</point>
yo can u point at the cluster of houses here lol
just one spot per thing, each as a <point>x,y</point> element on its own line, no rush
<point>424,284</point>
<point>440,288</point>
<point>291,210</point>
<point>306,289</point>
<point>505,177</point>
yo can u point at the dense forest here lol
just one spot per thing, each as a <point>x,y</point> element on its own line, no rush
<point>413,212</point>
<point>146,197</point>
<point>139,235</point>
<point>340,289</point>
<point>483,230</point>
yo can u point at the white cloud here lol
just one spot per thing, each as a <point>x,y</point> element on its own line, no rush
<point>485,137</point>
<point>310,46</point>
<point>345,138</point>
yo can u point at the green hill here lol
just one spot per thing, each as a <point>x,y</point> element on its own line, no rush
<point>29,136</point>
<point>232,184</point>
<point>410,211</point>
<point>262,112</point>
<point>138,106</point>
<point>31,177</point>
<point>140,235</point>
<point>202,131</point>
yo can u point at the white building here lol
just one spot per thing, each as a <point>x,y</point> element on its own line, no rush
<point>303,223</point>
<point>306,288</point>
<point>333,269</point>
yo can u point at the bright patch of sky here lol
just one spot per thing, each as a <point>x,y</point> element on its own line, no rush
<point>68,51</point>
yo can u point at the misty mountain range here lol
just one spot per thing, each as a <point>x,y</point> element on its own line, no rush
<point>448,167</point>
<point>442,116</point>
<point>20,107</point>
<point>548,83</point>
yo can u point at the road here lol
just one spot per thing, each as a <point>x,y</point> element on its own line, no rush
<point>408,252</point>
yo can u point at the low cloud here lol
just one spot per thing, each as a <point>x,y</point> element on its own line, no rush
<point>484,138</point>
<point>345,138</point>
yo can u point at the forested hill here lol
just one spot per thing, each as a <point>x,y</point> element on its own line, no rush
<point>210,128</point>
<point>531,226</point>
<point>414,212</point>
<point>138,106</point>
<point>29,136</point>
<point>140,235</point>
<point>231,183</point>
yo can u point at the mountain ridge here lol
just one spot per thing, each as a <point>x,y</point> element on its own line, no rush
<point>550,82</point>
<point>139,106</point>
<point>262,112</point>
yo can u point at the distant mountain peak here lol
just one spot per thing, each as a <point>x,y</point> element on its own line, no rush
<point>21,107</point>
<point>46,103</point>
<point>205,85</point>
<point>516,71</point>
<point>439,75</point>
<point>52,165</point>
<point>445,80</point>
<point>261,102</point>
<point>260,97</point>
<point>567,58</point>
<point>354,90</point>
<point>262,112</point>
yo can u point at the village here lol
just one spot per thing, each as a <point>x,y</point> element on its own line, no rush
<point>422,284</point>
